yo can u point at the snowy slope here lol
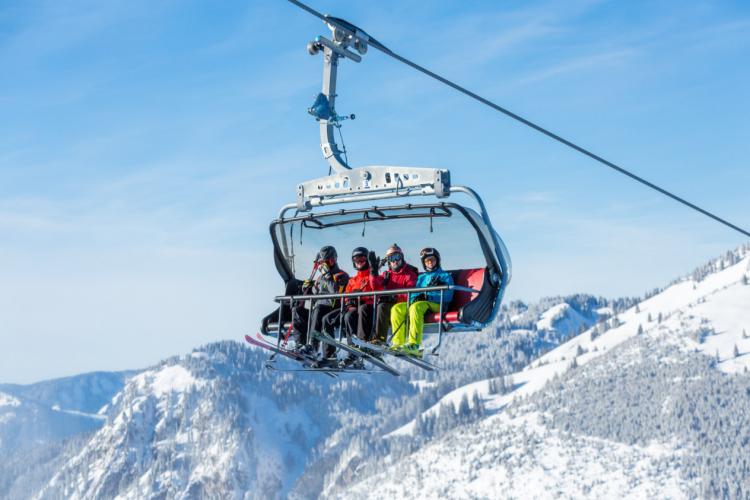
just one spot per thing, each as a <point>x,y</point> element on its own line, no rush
<point>188,427</point>
<point>209,424</point>
<point>518,457</point>
<point>717,307</point>
<point>707,315</point>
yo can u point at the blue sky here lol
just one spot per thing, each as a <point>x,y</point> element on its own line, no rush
<point>145,147</point>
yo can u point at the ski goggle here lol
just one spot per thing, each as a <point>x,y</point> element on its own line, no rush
<point>428,252</point>
<point>359,258</point>
<point>395,257</point>
<point>327,262</point>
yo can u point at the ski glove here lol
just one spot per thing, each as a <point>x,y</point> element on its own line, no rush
<point>374,262</point>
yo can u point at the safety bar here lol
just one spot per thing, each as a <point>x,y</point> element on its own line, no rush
<point>375,294</point>
<point>399,291</point>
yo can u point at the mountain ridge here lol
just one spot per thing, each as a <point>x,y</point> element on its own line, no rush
<point>213,422</point>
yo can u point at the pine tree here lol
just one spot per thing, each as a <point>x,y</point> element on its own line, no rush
<point>464,410</point>
<point>736,351</point>
<point>640,329</point>
<point>477,408</point>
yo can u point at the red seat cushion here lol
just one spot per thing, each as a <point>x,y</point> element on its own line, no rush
<point>471,278</point>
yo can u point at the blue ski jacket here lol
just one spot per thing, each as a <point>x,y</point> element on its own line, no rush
<point>433,278</point>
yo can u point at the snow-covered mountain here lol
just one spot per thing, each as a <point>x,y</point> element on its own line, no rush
<point>654,402</point>
<point>87,393</point>
<point>280,432</point>
<point>569,397</point>
<point>39,422</point>
<point>25,423</point>
<point>211,424</point>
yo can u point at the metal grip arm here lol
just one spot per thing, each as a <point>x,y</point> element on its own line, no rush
<point>331,151</point>
<point>343,36</point>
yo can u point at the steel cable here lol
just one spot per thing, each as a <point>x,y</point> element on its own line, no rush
<point>379,46</point>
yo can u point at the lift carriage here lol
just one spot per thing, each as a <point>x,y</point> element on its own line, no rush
<point>374,206</point>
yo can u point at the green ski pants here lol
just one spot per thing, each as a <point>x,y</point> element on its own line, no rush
<point>416,321</point>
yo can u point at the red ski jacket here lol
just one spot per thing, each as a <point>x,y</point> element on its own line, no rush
<point>363,281</point>
<point>406,277</point>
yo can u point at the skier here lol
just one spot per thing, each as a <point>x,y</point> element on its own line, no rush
<point>421,302</point>
<point>358,315</point>
<point>332,279</point>
<point>398,275</point>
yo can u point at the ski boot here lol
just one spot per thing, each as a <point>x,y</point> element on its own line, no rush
<point>412,350</point>
<point>304,350</point>
<point>351,361</point>
<point>326,363</point>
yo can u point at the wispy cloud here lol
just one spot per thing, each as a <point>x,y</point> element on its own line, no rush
<point>599,61</point>
<point>536,197</point>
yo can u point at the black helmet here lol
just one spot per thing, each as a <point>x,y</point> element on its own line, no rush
<point>360,252</point>
<point>327,253</point>
<point>429,252</point>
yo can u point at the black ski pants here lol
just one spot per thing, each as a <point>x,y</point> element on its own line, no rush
<point>331,322</point>
<point>383,321</point>
<point>359,320</point>
<point>302,318</point>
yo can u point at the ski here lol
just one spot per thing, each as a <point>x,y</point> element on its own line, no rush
<point>397,354</point>
<point>304,361</point>
<point>328,370</point>
<point>359,353</point>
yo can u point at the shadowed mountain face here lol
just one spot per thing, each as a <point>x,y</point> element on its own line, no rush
<point>86,393</point>
<point>25,423</point>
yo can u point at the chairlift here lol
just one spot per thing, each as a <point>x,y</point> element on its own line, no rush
<point>371,200</point>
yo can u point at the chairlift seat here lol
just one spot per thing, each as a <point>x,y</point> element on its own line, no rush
<point>470,278</point>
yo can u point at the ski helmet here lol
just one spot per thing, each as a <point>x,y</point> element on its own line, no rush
<point>359,254</point>
<point>326,259</point>
<point>394,255</point>
<point>327,254</point>
<point>430,252</point>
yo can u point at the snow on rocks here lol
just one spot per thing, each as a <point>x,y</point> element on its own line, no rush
<point>6,400</point>
<point>562,317</point>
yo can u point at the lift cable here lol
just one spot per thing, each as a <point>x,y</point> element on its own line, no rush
<point>528,123</point>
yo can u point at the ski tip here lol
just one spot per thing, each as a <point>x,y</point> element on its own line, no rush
<point>248,338</point>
